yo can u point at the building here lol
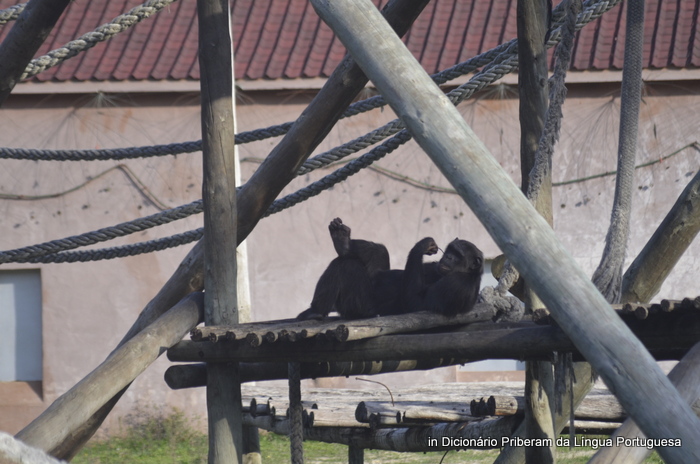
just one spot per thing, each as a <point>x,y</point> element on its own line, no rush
<point>141,88</point>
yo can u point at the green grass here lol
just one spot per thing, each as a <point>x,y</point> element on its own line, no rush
<point>153,437</point>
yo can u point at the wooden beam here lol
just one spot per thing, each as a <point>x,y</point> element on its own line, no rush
<point>24,39</point>
<point>527,341</point>
<point>621,359</point>
<point>220,219</point>
<point>670,240</point>
<point>686,376</point>
<point>533,97</point>
<point>73,408</point>
<point>195,375</point>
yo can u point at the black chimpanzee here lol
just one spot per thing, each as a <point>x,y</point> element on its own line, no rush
<point>346,285</point>
<point>358,283</point>
<point>449,286</point>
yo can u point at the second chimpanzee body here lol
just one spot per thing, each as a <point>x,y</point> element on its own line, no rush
<point>358,283</point>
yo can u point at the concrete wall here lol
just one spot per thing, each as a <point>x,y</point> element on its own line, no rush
<point>88,307</point>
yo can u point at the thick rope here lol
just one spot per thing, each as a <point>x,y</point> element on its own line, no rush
<point>11,13</point>
<point>608,276</point>
<point>505,62</point>
<point>296,426</point>
<point>89,40</point>
<point>25,254</point>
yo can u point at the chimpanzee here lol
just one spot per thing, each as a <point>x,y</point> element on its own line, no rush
<point>358,283</point>
<point>449,286</point>
<point>346,285</point>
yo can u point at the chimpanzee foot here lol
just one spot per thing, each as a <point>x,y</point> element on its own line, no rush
<point>340,234</point>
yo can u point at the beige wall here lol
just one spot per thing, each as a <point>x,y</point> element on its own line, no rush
<point>88,307</point>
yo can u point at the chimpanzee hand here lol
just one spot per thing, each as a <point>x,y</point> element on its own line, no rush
<point>427,246</point>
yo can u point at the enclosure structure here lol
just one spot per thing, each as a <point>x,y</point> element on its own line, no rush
<point>262,173</point>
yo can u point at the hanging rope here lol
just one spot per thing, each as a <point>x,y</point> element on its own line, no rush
<point>11,13</point>
<point>89,40</point>
<point>608,276</point>
<point>101,235</point>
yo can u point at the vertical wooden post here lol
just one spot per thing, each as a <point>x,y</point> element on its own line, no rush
<point>526,238</point>
<point>532,89</point>
<point>356,455</point>
<point>220,222</point>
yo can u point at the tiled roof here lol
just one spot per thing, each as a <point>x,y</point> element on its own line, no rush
<point>285,39</point>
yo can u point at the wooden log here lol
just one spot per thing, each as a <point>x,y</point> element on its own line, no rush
<point>686,377</point>
<point>436,413</point>
<point>356,455</point>
<point>596,407</point>
<point>338,329</point>
<point>440,130</point>
<point>194,375</point>
<point>524,342</point>
<point>73,408</point>
<point>24,39</point>
<point>220,217</point>
<point>256,196</point>
<point>504,405</point>
<point>670,240</point>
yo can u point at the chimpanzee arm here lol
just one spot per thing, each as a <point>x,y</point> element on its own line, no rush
<point>413,279</point>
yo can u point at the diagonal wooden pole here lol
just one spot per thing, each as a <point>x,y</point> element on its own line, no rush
<point>28,33</point>
<point>578,307</point>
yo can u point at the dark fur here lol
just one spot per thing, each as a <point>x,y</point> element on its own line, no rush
<point>358,283</point>
<point>450,286</point>
<point>346,285</point>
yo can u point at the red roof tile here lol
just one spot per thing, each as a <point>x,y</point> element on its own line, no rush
<point>285,39</point>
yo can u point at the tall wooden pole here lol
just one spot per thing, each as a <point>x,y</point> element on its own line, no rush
<point>220,222</point>
<point>532,90</point>
<point>525,237</point>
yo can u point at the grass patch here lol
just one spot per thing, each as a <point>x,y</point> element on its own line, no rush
<point>154,437</point>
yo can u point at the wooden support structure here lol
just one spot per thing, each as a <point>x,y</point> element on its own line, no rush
<point>23,41</point>
<point>670,240</point>
<point>260,190</point>
<point>686,377</point>
<point>341,330</point>
<point>669,334</point>
<point>195,375</point>
<point>71,410</point>
<point>533,96</point>
<point>522,234</point>
<point>220,219</point>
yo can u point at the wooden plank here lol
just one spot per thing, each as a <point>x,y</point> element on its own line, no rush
<point>521,233</point>
<point>73,408</point>
<point>220,219</point>
<point>24,39</point>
